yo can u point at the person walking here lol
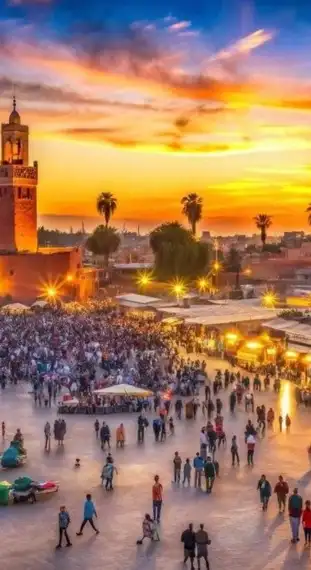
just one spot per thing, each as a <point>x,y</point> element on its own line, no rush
<point>63,523</point>
<point>306,523</point>
<point>295,504</point>
<point>250,444</point>
<point>187,472</point>
<point>202,540</point>
<point>105,436</point>
<point>234,451</point>
<point>203,443</point>
<point>120,436</point>
<point>188,539</point>
<point>270,418</point>
<point>157,498</point>
<point>211,469</point>
<point>142,424</point>
<point>108,472</point>
<point>178,408</point>
<point>89,512</point>
<point>149,530</point>
<point>281,489</point>
<point>47,435</point>
<point>264,489</point>
<point>288,422</point>
<point>96,428</point>
<point>198,464</point>
<point>281,422</point>
<point>177,467</point>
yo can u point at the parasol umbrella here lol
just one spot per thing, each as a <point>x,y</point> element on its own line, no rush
<point>124,390</point>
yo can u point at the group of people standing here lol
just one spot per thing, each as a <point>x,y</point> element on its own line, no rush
<point>297,513</point>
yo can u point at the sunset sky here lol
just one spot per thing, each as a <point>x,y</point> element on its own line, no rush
<point>154,100</point>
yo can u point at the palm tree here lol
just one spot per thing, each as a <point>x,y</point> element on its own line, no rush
<point>192,208</point>
<point>233,263</point>
<point>103,242</point>
<point>308,210</point>
<point>263,222</point>
<point>106,205</point>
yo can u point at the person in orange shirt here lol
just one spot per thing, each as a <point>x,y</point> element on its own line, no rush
<point>157,498</point>
<point>120,435</point>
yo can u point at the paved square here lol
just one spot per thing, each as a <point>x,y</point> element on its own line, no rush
<point>242,536</point>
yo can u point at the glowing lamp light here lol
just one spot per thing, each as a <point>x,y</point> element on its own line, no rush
<point>211,343</point>
<point>216,266</point>
<point>291,354</point>
<point>307,359</point>
<point>269,299</point>
<point>144,279</point>
<point>51,292</point>
<point>178,288</point>
<point>271,351</point>
<point>69,278</point>
<point>231,337</point>
<point>247,271</point>
<point>253,345</point>
<point>265,337</point>
<point>202,284</point>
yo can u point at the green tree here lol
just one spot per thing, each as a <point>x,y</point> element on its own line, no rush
<point>103,242</point>
<point>263,222</point>
<point>106,205</point>
<point>233,264</point>
<point>177,253</point>
<point>192,208</point>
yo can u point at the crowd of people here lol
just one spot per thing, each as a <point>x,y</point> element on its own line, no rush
<point>59,351</point>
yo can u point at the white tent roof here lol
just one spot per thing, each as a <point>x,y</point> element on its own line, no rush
<point>15,307</point>
<point>40,304</point>
<point>137,300</point>
<point>123,390</point>
<point>281,324</point>
<point>217,314</point>
<point>295,330</point>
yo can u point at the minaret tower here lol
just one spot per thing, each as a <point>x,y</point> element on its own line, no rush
<point>18,188</point>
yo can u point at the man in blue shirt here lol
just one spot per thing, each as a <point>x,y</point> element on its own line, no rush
<point>89,513</point>
<point>198,464</point>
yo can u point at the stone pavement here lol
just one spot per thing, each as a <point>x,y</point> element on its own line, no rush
<point>242,536</point>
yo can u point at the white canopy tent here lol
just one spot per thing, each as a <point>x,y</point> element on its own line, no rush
<point>15,308</point>
<point>137,301</point>
<point>297,333</point>
<point>40,304</point>
<point>222,313</point>
<point>124,390</point>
